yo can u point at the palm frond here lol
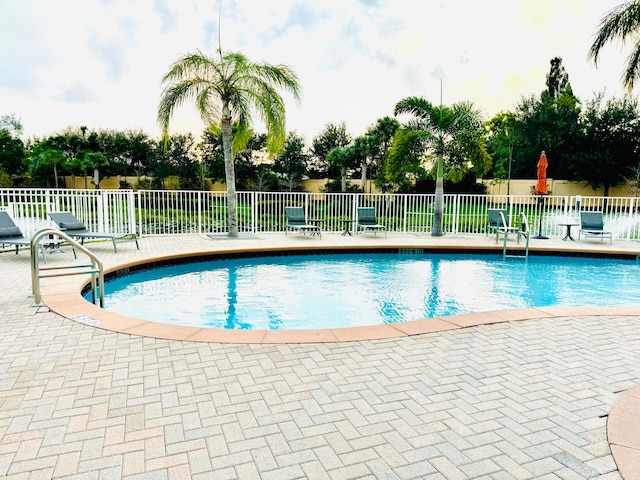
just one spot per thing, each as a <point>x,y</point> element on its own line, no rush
<point>407,151</point>
<point>174,96</point>
<point>281,76</point>
<point>632,72</point>
<point>189,65</point>
<point>272,112</point>
<point>416,106</point>
<point>619,24</point>
<point>208,103</point>
<point>241,136</point>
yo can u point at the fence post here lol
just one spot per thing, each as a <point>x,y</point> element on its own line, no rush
<point>138,195</point>
<point>200,201</point>
<point>48,204</point>
<point>131,214</point>
<point>102,215</point>
<point>354,196</point>
<point>455,224</point>
<point>405,214</point>
<point>254,212</point>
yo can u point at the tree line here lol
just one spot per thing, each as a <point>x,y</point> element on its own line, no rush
<point>596,142</point>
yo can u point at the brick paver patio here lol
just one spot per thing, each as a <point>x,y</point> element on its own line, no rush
<point>513,400</point>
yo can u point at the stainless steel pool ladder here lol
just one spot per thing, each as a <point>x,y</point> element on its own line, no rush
<point>95,268</point>
<point>521,231</point>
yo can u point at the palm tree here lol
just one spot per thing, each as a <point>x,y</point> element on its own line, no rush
<point>227,89</point>
<point>451,134</point>
<point>622,23</point>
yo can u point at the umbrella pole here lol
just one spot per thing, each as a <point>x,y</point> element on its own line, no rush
<point>541,209</point>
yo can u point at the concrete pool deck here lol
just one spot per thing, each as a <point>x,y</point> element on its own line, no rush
<point>470,396</point>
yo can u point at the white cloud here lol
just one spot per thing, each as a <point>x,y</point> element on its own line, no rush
<point>99,63</point>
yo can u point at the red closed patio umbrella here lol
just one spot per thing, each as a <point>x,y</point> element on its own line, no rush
<point>541,186</point>
<point>541,189</point>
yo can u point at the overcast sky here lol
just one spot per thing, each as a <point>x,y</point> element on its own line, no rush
<point>99,62</point>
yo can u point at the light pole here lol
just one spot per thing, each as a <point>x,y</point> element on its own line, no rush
<point>509,172</point>
<point>436,230</point>
<point>506,124</point>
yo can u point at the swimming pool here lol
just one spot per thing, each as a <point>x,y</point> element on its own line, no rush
<point>347,290</point>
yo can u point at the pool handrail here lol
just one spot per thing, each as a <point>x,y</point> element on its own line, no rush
<point>94,268</point>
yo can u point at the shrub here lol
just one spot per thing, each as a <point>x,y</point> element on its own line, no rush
<point>143,184</point>
<point>172,182</point>
<point>5,179</point>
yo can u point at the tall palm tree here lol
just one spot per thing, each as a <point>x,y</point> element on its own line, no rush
<point>622,23</point>
<point>450,134</point>
<point>228,88</point>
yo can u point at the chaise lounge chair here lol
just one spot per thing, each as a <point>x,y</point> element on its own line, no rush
<point>592,225</point>
<point>73,227</point>
<point>497,220</point>
<point>504,227</point>
<point>297,221</point>
<point>366,221</point>
<point>11,235</point>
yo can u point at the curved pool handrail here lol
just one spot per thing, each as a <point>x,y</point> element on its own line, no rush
<point>95,268</point>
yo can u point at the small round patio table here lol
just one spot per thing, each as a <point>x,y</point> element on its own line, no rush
<point>568,223</point>
<point>347,227</point>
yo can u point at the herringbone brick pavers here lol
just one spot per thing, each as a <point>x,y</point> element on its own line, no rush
<point>517,400</point>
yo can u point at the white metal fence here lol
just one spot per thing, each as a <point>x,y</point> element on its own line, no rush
<point>164,212</point>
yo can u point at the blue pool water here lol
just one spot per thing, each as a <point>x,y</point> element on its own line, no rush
<point>345,290</point>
